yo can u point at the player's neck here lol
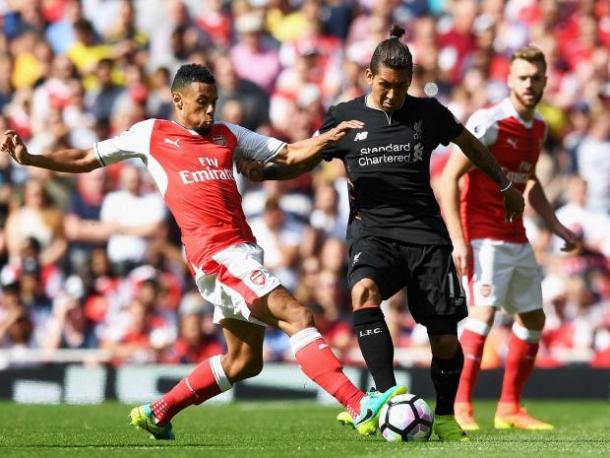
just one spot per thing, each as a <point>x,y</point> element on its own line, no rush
<point>525,113</point>
<point>370,102</point>
<point>202,132</point>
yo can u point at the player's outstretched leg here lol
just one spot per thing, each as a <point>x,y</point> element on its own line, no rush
<point>210,378</point>
<point>317,360</point>
<point>447,362</point>
<point>320,364</point>
<point>142,417</point>
<point>207,380</point>
<point>472,340</point>
<point>522,350</point>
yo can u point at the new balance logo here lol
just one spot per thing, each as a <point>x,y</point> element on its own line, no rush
<point>361,136</point>
<point>512,142</point>
<point>175,142</point>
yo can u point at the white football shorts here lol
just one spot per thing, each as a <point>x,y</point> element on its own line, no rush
<point>234,278</point>
<point>504,274</point>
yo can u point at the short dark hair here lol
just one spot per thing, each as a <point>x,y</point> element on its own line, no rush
<point>392,53</point>
<point>192,73</point>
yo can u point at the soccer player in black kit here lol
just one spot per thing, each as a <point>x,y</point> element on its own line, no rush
<point>396,235</point>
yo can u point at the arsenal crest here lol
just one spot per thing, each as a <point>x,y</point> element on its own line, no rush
<point>258,277</point>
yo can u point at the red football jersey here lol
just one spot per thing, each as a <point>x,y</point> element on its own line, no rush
<point>516,145</point>
<point>194,173</point>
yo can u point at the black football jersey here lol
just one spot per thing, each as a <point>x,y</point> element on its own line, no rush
<point>388,168</point>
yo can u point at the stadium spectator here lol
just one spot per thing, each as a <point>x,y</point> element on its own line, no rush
<point>39,219</point>
<point>197,339</point>
<point>16,326</point>
<point>279,237</point>
<point>61,34</point>
<point>254,101</point>
<point>136,216</point>
<point>253,51</point>
<point>594,161</point>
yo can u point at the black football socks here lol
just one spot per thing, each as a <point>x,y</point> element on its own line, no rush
<point>446,377</point>
<point>376,346</point>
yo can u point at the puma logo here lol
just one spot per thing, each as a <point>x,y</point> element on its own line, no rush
<point>512,142</point>
<point>175,142</point>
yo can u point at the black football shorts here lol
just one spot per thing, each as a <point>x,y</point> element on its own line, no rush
<point>427,271</point>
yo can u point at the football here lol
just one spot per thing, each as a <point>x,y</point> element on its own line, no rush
<point>406,417</point>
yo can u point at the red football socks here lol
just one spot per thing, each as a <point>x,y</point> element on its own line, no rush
<point>206,381</point>
<point>321,365</point>
<point>472,344</point>
<point>519,365</point>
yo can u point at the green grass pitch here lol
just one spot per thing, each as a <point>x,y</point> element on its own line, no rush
<point>285,429</point>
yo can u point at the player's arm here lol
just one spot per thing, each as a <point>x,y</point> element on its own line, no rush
<point>457,165</point>
<point>300,157</point>
<point>305,151</point>
<point>65,160</point>
<point>258,171</point>
<point>536,198</point>
<point>480,156</point>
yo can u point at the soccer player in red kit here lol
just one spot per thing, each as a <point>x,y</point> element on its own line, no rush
<point>494,253</point>
<point>191,161</point>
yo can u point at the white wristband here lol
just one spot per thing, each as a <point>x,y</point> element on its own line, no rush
<point>510,183</point>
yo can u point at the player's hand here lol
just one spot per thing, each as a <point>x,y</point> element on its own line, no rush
<point>460,257</point>
<point>14,146</point>
<point>337,133</point>
<point>571,241</point>
<point>513,203</point>
<point>252,170</point>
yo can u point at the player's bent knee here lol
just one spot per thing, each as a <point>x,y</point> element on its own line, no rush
<point>365,293</point>
<point>483,313</point>
<point>444,346</point>
<point>243,368</point>
<point>299,318</point>
<point>533,320</point>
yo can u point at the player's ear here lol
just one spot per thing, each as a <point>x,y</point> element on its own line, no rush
<point>369,76</point>
<point>177,99</point>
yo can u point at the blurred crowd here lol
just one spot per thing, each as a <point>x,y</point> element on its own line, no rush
<point>94,261</point>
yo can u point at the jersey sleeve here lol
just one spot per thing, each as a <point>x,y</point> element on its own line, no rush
<point>251,145</point>
<point>132,143</point>
<point>445,125</point>
<point>330,121</point>
<point>483,127</point>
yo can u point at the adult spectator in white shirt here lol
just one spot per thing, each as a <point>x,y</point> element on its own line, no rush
<point>137,216</point>
<point>327,215</point>
<point>279,237</point>
<point>593,227</point>
<point>594,163</point>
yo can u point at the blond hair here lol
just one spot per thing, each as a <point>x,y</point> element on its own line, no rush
<point>530,54</point>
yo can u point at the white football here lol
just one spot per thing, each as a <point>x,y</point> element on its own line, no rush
<point>406,417</point>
